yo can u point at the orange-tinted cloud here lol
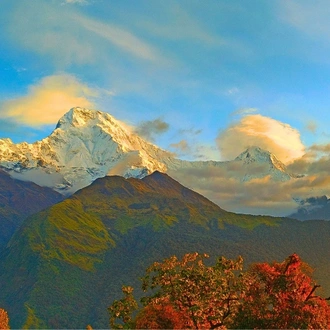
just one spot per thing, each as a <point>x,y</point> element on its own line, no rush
<point>261,195</point>
<point>256,130</point>
<point>181,146</point>
<point>48,100</point>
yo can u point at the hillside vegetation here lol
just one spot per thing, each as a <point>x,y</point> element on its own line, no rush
<point>67,263</point>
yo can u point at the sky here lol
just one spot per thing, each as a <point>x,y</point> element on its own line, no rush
<point>202,79</point>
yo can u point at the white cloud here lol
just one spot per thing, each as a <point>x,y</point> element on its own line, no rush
<point>232,91</point>
<point>120,38</point>
<point>70,37</point>
<point>244,111</point>
<point>176,23</point>
<point>267,133</point>
<point>310,17</point>
<point>48,100</point>
<point>49,30</point>
<point>83,2</point>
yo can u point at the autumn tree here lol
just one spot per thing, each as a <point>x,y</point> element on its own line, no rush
<point>201,296</point>
<point>208,295</point>
<point>282,296</point>
<point>187,293</point>
<point>4,319</point>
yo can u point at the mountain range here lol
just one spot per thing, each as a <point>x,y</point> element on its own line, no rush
<point>88,144</point>
<point>87,209</point>
<point>67,263</point>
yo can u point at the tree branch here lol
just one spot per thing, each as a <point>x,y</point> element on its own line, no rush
<point>312,291</point>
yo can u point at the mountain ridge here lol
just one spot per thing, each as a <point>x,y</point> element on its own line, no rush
<point>89,144</point>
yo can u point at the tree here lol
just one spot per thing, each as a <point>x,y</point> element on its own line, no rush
<point>4,319</point>
<point>282,296</point>
<point>207,295</point>
<point>123,310</point>
<point>189,294</point>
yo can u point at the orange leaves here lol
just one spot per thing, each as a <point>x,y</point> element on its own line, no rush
<point>4,319</point>
<point>162,315</point>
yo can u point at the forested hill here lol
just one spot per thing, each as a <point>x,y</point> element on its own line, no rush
<point>67,263</point>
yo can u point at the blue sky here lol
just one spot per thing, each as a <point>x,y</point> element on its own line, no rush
<point>208,77</point>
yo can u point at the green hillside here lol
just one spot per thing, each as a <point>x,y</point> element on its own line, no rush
<point>67,263</point>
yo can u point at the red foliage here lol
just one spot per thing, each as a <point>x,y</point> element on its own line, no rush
<point>162,315</point>
<point>190,294</point>
<point>282,295</point>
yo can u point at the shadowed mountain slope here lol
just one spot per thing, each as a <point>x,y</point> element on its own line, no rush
<point>19,199</point>
<point>67,263</point>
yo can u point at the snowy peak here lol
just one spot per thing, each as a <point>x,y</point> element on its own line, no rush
<point>83,119</point>
<point>254,154</point>
<point>264,163</point>
<point>85,145</point>
<point>77,117</point>
<point>257,155</point>
<point>87,123</point>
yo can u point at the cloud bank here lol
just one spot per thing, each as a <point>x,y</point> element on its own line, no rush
<point>261,195</point>
<point>257,196</point>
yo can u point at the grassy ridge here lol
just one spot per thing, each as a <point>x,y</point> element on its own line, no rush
<point>70,234</point>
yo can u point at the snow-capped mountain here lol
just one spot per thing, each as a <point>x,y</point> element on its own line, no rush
<point>85,145</point>
<point>88,144</point>
<point>253,163</point>
<point>259,163</point>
